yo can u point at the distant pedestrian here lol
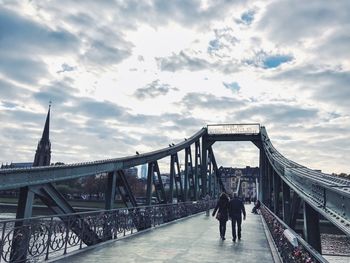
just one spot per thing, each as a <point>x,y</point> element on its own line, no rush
<point>236,209</point>
<point>222,213</point>
<point>207,199</point>
<point>256,207</point>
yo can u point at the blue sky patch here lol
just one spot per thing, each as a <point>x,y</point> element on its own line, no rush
<point>233,86</point>
<point>214,45</point>
<point>276,60</point>
<point>248,17</point>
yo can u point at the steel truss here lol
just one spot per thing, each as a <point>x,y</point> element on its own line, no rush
<point>317,193</point>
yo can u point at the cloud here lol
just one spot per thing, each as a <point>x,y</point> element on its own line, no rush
<point>291,21</point>
<point>264,60</point>
<point>330,85</point>
<point>59,92</point>
<point>194,100</point>
<point>153,90</point>
<point>22,69</point>
<point>24,41</point>
<point>101,53</point>
<point>183,61</point>
<point>20,33</point>
<point>98,109</point>
<point>223,42</point>
<point>12,91</point>
<point>335,47</point>
<point>66,68</point>
<point>276,113</point>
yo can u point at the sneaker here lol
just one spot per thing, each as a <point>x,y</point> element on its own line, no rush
<point>223,238</point>
<point>234,239</point>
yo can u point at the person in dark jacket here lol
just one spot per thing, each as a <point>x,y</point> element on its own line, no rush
<point>256,207</point>
<point>236,209</point>
<point>222,213</point>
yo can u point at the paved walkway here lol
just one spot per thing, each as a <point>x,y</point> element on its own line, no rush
<point>195,239</point>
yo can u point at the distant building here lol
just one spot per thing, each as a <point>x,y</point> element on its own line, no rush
<point>166,180</point>
<point>131,171</point>
<point>144,169</point>
<point>242,180</point>
<point>16,165</point>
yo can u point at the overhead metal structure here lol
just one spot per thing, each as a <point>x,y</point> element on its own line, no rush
<point>317,193</point>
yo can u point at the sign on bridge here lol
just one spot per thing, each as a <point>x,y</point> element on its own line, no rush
<point>253,128</point>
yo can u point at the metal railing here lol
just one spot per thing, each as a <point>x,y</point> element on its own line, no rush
<point>328,195</point>
<point>300,253</point>
<point>53,236</point>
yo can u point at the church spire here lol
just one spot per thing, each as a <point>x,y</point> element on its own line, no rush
<point>46,131</point>
<point>43,151</point>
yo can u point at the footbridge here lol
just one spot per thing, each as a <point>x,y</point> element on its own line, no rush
<point>290,193</point>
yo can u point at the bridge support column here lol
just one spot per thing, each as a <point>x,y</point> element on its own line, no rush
<point>21,237</point>
<point>150,185</point>
<point>286,203</point>
<point>204,166</point>
<point>110,191</point>
<point>197,164</point>
<point>262,177</point>
<point>312,227</point>
<point>276,192</point>
<point>267,192</point>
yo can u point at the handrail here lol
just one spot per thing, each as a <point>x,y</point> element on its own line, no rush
<point>288,253</point>
<point>51,238</point>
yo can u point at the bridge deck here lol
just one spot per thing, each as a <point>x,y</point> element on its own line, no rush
<point>195,239</point>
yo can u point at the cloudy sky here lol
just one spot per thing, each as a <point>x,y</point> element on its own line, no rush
<point>126,76</point>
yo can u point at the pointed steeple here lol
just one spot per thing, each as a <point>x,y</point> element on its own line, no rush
<point>43,151</point>
<point>46,131</point>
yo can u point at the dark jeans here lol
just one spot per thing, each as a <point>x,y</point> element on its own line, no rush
<point>222,227</point>
<point>236,220</point>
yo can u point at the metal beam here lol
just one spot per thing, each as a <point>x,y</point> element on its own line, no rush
<point>149,187</point>
<point>124,189</point>
<point>204,166</point>
<point>296,202</point>
<point>177,178</point>
<point>16,178</point>
<point>24,210</point>
<point>261,194</point>
<point>158,184</point>
<point>189,186</point>
<point>197,172</point>
<point>276,191</point>
<point>233,137</point>
<point>312,227</point>
<point>49,195</point>
<point>110,190</point>
<point>286,203</point>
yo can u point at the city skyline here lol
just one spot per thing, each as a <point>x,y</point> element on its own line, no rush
<point>137,76</point>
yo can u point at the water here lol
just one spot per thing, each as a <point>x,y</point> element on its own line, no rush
<point>4,216</point>
<point>336,248</point>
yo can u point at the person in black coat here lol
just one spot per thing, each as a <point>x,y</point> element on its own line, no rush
<point>222,213</point>
<point>236,209</point>
<point>256,207</point>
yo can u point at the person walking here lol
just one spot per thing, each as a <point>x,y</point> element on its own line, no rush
<point>222,213</point>
<point>236,209</point>
<point>256,207</point>
<point>207,199</point>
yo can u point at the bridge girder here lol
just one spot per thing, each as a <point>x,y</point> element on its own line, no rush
<point>326,197</point>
